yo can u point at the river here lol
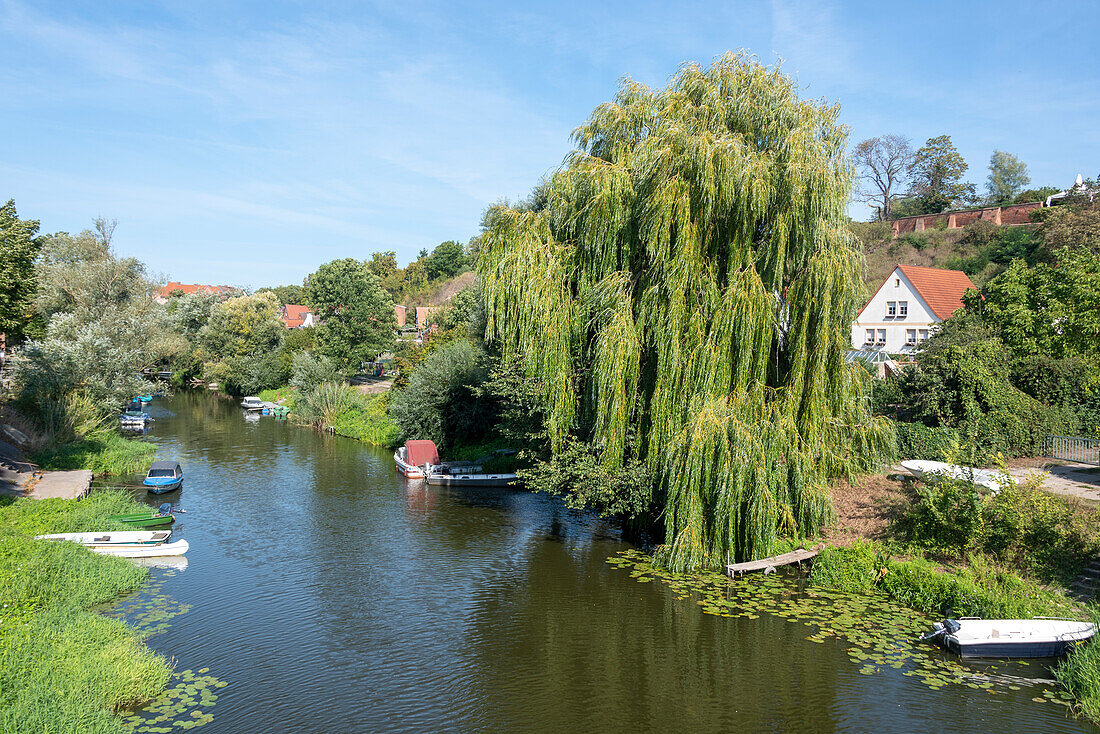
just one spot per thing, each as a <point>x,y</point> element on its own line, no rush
<point>332,596</point>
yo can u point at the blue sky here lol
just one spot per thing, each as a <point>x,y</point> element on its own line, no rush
<point>246,143</point>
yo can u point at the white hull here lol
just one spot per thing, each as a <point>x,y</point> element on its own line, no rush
<point>933,470</point>
<point>408,470</point>
<point>1016,638</point>
<point>473,480</point>
<point>177,548</point>
<point>121,539</point>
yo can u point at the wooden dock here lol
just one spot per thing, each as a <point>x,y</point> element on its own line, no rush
<point>786,559</point>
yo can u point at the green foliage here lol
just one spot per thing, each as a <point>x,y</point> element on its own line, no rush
<point>63,668</point>
<point>1046,309</point>
<point>947,515</point>
<point>446,260</point>
<point>104,454</point>
<point>347,412</point>
<point>286,394</point>
<point>308,372</point>
<point>1007,177</point>
<point>979,589</point>
<point>578,475</point>
<point>1074,228</point>
<point>936,174</point>
<point>918,441</point>
<point>289,294</point>
<point>19,246</point>
<point>1079,673</point>
<point>441,402</point>
<point>690,280</point>
<point>1033,195</point>
<point>917,240</point>
<point>465,312</point>
<point>356,314</point>
<point>241,342</point>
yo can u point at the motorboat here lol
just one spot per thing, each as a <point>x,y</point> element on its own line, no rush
<point>466,474</point>
<point>413,456</point>
<point>148,519</point>
<point>143,399</point>
<point>164,476</point>
<point>933,470</point>
<point>1042,637</point>
<point>252,403</point>
<point>133,417</point>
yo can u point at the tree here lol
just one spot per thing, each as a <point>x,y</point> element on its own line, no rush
<point>1070,227</point>
<point>1007,177</point>
<point>383,264</point>
<point>687,297</point>
<point>883,164</point>
<point>289,294</point>
<point>19,246</point>
<point>446,260</point>
<point>241,341</point>
<point>936,175</point>
<point>356,315</point>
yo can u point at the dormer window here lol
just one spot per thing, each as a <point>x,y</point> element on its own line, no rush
<point>903,308</point>
<point>891,309</point>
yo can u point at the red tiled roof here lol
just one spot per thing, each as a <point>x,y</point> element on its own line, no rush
<point>941,289</point>
<point>294,315</point>
<point>189,288</point>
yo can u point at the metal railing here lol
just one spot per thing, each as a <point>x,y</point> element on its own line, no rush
<point>1073,448</point>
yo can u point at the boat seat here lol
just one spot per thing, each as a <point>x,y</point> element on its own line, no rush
<point>102,539</point>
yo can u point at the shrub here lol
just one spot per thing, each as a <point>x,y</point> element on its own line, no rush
<point>308,371</point>
<point>947,515</point>
<point>918,441</point>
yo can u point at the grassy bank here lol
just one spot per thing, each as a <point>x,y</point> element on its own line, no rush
<point>106,454</point>
<point>285,393</point>
<point>347,412</point>
<point>64,668</point>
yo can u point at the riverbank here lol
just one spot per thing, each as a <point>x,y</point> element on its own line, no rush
<point>63,667</point>
<point>341,409</point>
<point>107,454</point>
<point>946,550</point>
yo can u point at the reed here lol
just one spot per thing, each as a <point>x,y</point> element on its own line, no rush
<point>348,412</point>
<point>1079,674</point>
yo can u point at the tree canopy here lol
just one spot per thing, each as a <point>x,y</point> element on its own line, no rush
<point>18,248</point>
<point>1007,177</point>
<point>685,298</point>
<point>356,315</point>
<point>937,173</point>
<point>883,165</point>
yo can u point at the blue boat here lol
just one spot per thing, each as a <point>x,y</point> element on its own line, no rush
<point>164,476</point>
<point>144,398</point>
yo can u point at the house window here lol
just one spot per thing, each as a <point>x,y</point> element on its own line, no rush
<point>882,336</point>
<point>897,282</point>
<point>911,337</point>
<point>891,309</point>
<point>870,336</point>
<point>903,308</point>
<point>923,334</point>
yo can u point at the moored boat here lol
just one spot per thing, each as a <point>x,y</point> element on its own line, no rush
<point>176,548</point>
<point>934,470</point>
<point>464,474</point>
<point>144,398</point>
<point>164,476</point>
<point>150,519</point>
<point>252,403</point>
<point>413,456</point>
<point>125,539</point>
<point>1042,637</point>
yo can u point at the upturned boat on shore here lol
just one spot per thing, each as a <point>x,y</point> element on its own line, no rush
<point>934,470</point>
<point>1042,637</point>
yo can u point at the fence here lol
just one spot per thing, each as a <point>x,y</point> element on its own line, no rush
<point>1073,448</point>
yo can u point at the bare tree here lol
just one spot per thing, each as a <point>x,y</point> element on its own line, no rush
<point>883,165</point>
<point>105,230</point>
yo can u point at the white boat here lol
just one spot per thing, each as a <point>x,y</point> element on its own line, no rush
<point>456,474</point>
<point>252,403</point>
<point>177,548</point>
<point>933,470</point>
<point>410,458</point>
<point>1042,637</point>
<point>121,539</point>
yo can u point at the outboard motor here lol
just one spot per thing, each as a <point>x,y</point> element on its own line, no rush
<point>951,626</point>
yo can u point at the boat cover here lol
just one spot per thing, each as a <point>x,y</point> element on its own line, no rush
<point>419,453</point>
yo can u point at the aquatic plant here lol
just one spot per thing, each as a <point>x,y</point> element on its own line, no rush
<point>686,276</point>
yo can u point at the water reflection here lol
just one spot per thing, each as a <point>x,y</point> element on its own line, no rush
<point>334,596</point>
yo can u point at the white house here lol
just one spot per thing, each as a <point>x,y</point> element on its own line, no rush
<point>907,306</point>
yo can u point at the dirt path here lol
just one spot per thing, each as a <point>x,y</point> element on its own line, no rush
<point>1060,477</point>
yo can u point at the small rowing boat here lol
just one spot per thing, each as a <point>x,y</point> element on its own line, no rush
<point>164,476</point>
<point>935,470</point>
<point>150,519</point>
<point>121,539</point>
<point>1042,637</point>
<point>177,548</point>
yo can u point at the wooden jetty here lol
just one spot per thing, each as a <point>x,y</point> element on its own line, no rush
<point>786,559</point>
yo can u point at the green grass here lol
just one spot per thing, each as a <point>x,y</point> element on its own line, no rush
<point>977,589</point>
<point>285,393</point>
<point>366,418</point>
<point>1079,674</point>
<point>64,668</point>
<point>109,454</point>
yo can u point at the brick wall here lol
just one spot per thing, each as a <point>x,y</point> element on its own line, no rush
<point>1004,215</point>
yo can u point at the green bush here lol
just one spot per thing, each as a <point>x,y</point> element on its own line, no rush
<point>918,441</point>
<point>947,515</point>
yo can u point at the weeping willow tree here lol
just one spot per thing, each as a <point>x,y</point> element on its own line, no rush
<point>685,287</point>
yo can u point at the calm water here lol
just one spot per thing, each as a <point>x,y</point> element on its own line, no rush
<point>334,597</point>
